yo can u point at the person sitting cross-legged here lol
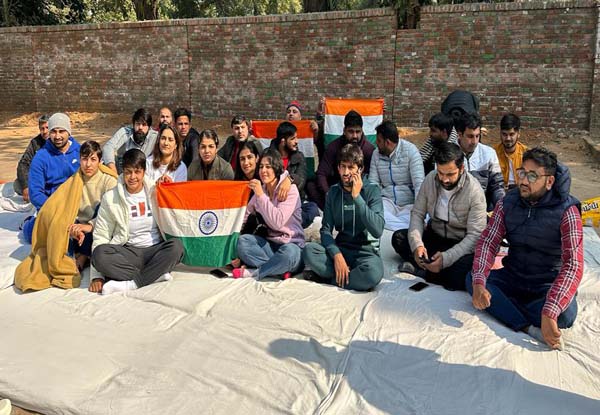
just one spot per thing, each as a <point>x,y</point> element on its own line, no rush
<point>277,250</point>
<point>128,248</point>
<point>535,290</point>
<point>355,209</point>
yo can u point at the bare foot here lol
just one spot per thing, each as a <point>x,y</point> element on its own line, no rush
<point>96,285</point>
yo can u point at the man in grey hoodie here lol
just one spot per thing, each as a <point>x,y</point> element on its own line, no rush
<point>441,251</point>
<point>354,208</point>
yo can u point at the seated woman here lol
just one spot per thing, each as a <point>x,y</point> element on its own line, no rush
<point>71,207</point>
<point>165,164</point>
<point>128,248</point>
<point>280,253</point>
<point>209,166</point>
<point>247,162</point>
<point>95,184</point>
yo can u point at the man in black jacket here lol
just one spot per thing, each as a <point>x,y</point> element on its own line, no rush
<point>21,185</point>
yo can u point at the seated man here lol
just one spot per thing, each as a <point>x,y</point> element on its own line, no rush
<point>293,112</point>
<point>542,223</point>
<point>21,185</point>
<point>189,135</point>
<point>209,166</point>
<point>51,166</point>
<point>286,143</point>
<point>355,210</point>
<point>397,168</point>
<point>128,247</point>
<point>441,128</point>
<point>442,251</point>
<point>510,150</point>
<point>240,127</point>
<point>481,160</point>
<point>140,136</point>
<point>327,173</point>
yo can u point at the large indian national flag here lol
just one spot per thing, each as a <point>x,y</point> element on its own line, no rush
<point>266,130</point>
<point>337,108</point>
<point>206,216</point>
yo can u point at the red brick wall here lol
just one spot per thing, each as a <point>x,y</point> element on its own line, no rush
<point>534,58</point>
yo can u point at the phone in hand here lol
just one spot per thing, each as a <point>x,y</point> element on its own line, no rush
<point>218,273</point>
<point>418,286</point>
<point>425,259</point>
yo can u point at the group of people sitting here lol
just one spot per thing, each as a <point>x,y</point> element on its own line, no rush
<point>451,206</point>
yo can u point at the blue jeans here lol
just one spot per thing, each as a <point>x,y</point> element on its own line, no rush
<point>517,306</point>
<point>269,257</point>
<point>28,225</point>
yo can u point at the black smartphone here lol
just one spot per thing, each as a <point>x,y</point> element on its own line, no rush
<point>418,286</point>
<point>426,260</point>
<point>218,273</point>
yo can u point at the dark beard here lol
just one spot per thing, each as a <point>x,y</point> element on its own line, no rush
<point>454,184</point>
<point>139,137</point>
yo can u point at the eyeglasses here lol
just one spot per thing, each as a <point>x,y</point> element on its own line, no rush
<point>531,175</point>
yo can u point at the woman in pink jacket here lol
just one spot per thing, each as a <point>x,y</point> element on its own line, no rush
<point>280,252</point>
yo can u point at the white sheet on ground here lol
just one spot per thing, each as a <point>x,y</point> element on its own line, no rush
<point>199,344</point>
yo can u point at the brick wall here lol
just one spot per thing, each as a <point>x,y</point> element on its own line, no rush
<point>535,58</point>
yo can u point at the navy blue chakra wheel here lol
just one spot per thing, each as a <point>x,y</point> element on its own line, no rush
<point>208,223</point>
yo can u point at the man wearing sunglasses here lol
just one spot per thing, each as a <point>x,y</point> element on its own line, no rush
<point>535,291</point>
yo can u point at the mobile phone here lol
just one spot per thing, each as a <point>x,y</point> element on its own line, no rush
<point>418,286</point>
<point>426,260</point>
<point>218,273</point>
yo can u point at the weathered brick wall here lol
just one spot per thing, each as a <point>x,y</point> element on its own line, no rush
<point>534,58</point>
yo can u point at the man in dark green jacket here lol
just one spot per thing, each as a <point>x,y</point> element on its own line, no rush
<point>355,209</point>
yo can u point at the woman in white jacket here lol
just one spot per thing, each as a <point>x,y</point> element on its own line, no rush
<point>128,248</point>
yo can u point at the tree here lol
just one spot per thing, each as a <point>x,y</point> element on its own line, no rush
<point>146,9</point>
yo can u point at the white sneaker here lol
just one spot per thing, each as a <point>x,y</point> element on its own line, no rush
<point>5,407</point>
<point>165,277</point>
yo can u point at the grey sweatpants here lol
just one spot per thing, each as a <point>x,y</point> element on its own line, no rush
<point>142,265</point>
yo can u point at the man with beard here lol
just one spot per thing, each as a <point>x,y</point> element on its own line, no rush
<point>189,135</point>
<point>441,129</point>
<point>240,128</point>
<point>441,251</point>
<point>286,143</point>
<point>481,160</point>
<point>140,136</point>
<point>535,290</point>
<point>21,185</point>
<point>51,166</point>
<point>327,173</point>
<point>510,150</point>
<point>354,209</point>
<point>397,168</point>
<point>165,116</point>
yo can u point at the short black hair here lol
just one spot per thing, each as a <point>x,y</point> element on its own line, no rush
<point>446,152</point>
<point>509,121</point>
<point>43,118</point>
<point>208,133</point>
<point>442,122</point>
<point>239,119</point>
<point>275,160</point>
<point>351,153</point>
<point>285,130</point>
<point>353,119</point>
<point>134,158</point>
<point>90,147</point>
<point>179,112</point>
<point>142,115</point>
<point>388,131</point>
<point>543,158</point>
<point>471,121</point>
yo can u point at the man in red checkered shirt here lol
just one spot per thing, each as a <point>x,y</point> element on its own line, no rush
<point>535,290</point>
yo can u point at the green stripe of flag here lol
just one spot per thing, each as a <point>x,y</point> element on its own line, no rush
<point>209,251</point>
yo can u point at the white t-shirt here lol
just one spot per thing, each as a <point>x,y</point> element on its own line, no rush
<point>143,231</point>
<point>179,175</point>
<point>511,176</point>
<point>441,207</point>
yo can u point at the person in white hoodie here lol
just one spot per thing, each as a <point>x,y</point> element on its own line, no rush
<point>480,160</point>
<point>397,167</point>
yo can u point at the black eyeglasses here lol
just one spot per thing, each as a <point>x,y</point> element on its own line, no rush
<point>531,175</point>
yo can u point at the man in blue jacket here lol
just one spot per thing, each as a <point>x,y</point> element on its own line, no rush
<point>52,165</point>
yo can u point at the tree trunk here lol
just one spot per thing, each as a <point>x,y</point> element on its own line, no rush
<point>146,9</point>
<point>5,13</point>
<point>311,6</point>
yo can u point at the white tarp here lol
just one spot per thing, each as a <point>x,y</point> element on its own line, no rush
<point>204,345</point>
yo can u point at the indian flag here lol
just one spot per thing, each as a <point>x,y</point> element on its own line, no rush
<point>266,130</point>
<point>206,216</point>
<point>336,109</point>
